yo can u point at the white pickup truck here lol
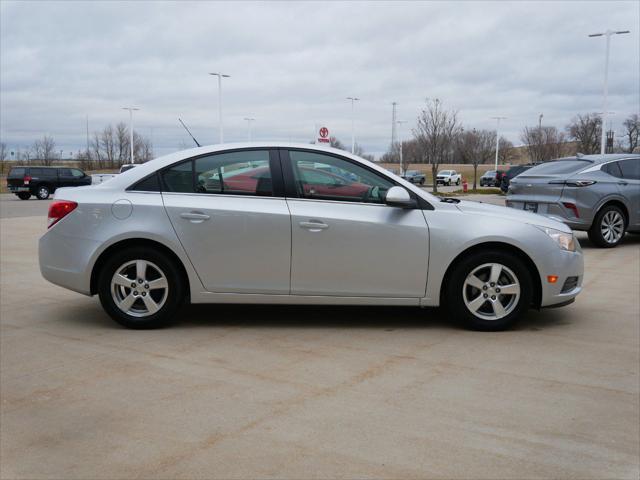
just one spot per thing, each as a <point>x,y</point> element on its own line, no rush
<point>448,177</point>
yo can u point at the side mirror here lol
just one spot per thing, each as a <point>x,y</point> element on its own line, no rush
<point>399,197</point>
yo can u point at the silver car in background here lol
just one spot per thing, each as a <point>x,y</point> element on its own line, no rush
<point>596,193</point>
<point>277,223</point>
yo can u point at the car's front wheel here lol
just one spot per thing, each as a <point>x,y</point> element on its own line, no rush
<point>141,288</point>
<point>458,182</point>
<point>608,227</point>
<point>489,290</point>
<point>422,181</point>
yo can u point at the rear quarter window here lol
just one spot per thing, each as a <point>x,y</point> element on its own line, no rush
<point>630,168</point>
<point>17,172</point>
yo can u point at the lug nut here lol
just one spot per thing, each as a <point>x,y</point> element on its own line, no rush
<point>139,280</point>
<point>133,285</point>
<point>497,290</point>
<point>493,297</point>
<point>144,294</point>
<point>492,284</point>
<point>484,287</point>
<point>135,294</point>
<point>485,295</point>
<point>146,286</point>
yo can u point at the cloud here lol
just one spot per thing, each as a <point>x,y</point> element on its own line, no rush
<point>293,64</point>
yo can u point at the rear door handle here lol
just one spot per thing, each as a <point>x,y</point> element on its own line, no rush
<point>314,226</point>
<point>194,217</point>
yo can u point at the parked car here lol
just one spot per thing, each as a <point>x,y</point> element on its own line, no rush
<point>174,229</point>
<point>414,176</point>
<point>127,166</point>
<point>512,173</point>
<point>41,182</point>
<point>596,193</point>
<point>448,177</point>
<point>492,178</point>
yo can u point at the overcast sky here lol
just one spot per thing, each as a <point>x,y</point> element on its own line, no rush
<point>293,64</point>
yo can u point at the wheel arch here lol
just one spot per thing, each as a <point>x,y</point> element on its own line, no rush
<point>136,242</point>
<point>616,203</point>
<point>500,246</point>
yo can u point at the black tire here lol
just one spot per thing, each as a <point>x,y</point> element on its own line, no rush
<point>24,195</point>
<point>422,181</point>
<point>596,234</point>
<point>174,294</point>
<point>43,192</point>
<point>448,183</point>
<point>458,182</point>
<point>456,290</point>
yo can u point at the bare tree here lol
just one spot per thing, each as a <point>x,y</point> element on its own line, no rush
<point>3,156</point>
<point>632,132</point>
<point>506,152</point>
<point>142,148</point>
<point>543,143</point>
<point>108,145</point>
<point>122,148</point>
<point>586,130</point>
<point>476,147</point>
<point>43,150</point>
<point>435,133</point>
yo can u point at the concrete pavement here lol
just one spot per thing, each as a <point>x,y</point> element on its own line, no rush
<point>308,392</point>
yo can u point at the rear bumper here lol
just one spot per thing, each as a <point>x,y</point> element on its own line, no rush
<point>555,210</point>
<point>64,260</point>
<point>18,189</point>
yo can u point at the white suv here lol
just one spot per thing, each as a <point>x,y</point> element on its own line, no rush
<point>448,177</point>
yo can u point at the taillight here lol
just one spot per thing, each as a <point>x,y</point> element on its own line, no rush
<point>572,207</point>
<point>60,209</point>
<point>26,179</point>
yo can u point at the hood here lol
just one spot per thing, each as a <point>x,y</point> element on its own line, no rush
<point>511,214</point>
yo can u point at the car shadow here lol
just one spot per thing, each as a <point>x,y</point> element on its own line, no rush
<point>630,240</point>
<point>89,314</point>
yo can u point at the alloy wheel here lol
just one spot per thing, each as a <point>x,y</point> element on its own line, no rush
<point>139,288</point>
<point>612,226</point>
<point>491,291</point>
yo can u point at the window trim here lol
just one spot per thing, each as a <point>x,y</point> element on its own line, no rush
<point>292,192</point>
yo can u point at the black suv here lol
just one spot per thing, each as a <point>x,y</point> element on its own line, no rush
<point>43,181</point>
<point>512,173</point>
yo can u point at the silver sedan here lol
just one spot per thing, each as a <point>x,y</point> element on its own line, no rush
<point>280,223</point>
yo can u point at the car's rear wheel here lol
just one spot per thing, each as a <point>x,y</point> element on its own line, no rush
<point>608,227</point>
<point>43,192</point>
<point>489,290</point>
<point>141,288</point>
<point>24,195</point>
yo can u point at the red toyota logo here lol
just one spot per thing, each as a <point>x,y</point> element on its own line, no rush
<point>324,132</point>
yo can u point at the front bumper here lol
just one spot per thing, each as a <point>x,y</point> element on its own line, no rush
<point>564,265</point>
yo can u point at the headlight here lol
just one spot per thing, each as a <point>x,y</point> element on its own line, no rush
<point>566,241</point>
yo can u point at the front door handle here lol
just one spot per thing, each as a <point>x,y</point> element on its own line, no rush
<point>194,217</point>
<point>314,226</point>
<point>623,183</point>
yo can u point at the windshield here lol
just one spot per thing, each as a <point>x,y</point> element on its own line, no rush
<point>490,173</point>
<point>444,172</point>
<point>559,167</point>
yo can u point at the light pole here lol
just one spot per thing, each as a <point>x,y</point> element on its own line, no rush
<point>131,110</point>
<point>220,129</point>
<point>353,135</point>
<point>249,120</point>
<point>497,119</point>
<point>400,122</point>
<point>607,34</point>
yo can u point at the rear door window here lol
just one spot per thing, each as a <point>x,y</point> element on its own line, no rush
<point>630,168</point>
